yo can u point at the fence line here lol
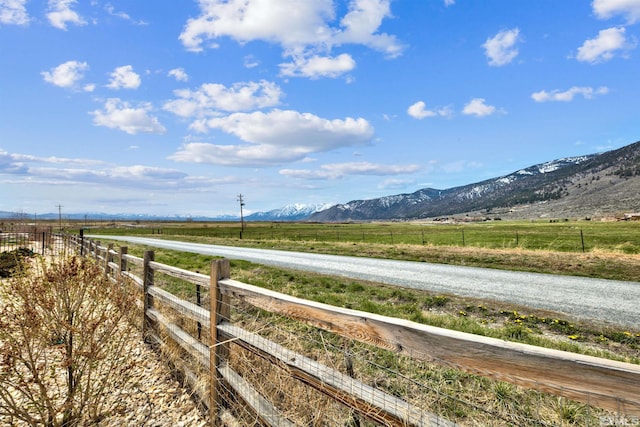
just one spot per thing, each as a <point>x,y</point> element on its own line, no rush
<point>42,242</point>
<point>603,383</point>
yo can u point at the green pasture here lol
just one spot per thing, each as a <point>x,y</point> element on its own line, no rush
<point>561,235</point>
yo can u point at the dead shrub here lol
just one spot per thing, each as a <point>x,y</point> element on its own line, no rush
<point>63,337</point>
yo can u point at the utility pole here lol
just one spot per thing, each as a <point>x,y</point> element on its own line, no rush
<point>241,200</point>
<point>60,216</point>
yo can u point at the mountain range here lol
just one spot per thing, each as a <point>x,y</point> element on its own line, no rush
<point>595,185</point>
<point>295,212</point>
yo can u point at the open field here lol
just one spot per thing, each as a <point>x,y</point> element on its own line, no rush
<point>610,248</point>
<point>562,236</point>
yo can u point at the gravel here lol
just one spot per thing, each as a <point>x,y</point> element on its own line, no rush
<point>154,397</point>
<point>607,301</point>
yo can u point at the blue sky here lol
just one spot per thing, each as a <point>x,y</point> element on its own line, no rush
<point>166,107</point>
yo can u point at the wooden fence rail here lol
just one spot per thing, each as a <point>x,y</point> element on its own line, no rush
<point>603,383</point>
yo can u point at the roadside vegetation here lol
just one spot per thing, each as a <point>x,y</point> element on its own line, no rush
<point>64,334</point>
<point>12,261</point>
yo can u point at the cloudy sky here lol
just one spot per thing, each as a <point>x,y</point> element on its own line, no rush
<point>166,107</point>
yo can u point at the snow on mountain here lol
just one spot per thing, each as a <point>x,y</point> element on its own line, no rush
<point>541,182</point>
<point>293,212</point>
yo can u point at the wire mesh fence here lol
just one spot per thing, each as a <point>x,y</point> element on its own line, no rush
<point>261,366</point>
<point>301,375</point>
<point>417,389</point>
<point>39,242</point>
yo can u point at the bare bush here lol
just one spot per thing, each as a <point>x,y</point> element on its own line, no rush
<point>63,335</point>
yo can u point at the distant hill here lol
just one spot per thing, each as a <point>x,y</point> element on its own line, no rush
<point>586,186</point>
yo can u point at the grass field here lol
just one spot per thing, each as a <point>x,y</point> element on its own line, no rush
<point>562,236</point>
<point>610,248</point>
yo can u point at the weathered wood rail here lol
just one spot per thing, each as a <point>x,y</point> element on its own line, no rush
<point>603,383</point>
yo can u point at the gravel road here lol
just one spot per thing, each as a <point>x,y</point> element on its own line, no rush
<point>610,301</point>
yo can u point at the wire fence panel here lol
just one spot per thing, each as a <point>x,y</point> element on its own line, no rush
<point>43,243</point>
<point>256,357</point>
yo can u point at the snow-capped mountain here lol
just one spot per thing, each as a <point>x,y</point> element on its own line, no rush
<point>292,212</point>
<point>568,186</point>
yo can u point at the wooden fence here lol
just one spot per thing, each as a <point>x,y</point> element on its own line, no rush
<point>603,383</point>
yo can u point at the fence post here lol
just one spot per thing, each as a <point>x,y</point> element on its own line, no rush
<point>107,255</point>
<point>219,311</point>
<point>147,299</point>
<point>199,304</point>
<point>96,252</point>
<point>122,260</point>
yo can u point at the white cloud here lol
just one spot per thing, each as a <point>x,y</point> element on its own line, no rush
<point>603,47</point>
<point>247,20</point>
<point>14,12</point>
<point>275,138</point>
<point>568,95</point>
<point>66,75</point>
<point>339,170</point>
<point>19,164</point>
<point>500,49</point>
<point>9,164</point>
<point>179,74</point>
<point>318,66</point>
<point>211,99</point>
<point>605,9</point>
<point>120,115</point>
<point>122,15</point>
<point>124,78</point>
<point>31,170</point>
<point>419,111</point>
<point>302,38</point>
<point>448,3</point>
<point>56,160</point>
<point>360,26</point>
<point>478,107</point>
<point>60,14</point>
<point>250,61</point>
